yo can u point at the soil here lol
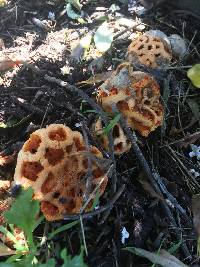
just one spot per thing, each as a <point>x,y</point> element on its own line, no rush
<point>28,102</point>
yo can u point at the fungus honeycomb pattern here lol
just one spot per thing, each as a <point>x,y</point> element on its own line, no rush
<point>148,50</point>
<point>121,143</point>
<point>138,100</point>
<point>54,162</point>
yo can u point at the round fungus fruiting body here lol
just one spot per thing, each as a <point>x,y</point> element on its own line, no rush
<point>149,50</point>
<point>121,142</point>
<point>54,161</point>
<point>178,45</point>
<point>138,99</point>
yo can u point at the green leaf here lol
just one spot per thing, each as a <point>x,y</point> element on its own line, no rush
<point>2,125</point>
<point>8,265</point>
<point>96,200</point>
<point>103,37</point>
<point>25,263</point>
<point>112,123</point>
<point>194,75</point>
<point>72,14</point>
<point>76,4</point>
<point>76,261</point>
<point>13,258</point>
<point>50,263</point>
<point>63,228</point>
<point>8,234</point>
<point>17,245</point>
<point>175,247</point>
<point>23,213</point>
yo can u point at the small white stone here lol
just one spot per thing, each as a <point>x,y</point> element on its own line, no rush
<point>125,235</point>
<point>178,45</point>
<point>51,15</point>
<point>78,124</point>
<point>192,154</point>
<point>195,151</point>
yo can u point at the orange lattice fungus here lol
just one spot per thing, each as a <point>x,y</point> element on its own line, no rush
<point>149,50</point>
<point>55,162</point>
<point>121,143</point>
<point>136,94</point>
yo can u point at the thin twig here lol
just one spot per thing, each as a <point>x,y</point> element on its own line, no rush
<point>89,171</point>
<point>152,175</point>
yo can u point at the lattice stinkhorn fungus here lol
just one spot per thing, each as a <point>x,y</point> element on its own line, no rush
<point>121,142</point>
<point>54,161</point>
<point>149,50</point>
<point>136,95</point>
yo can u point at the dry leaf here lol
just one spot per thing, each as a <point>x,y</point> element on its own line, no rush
<point>5,251</point>
<point>164,258</point>
<point>7,63</point>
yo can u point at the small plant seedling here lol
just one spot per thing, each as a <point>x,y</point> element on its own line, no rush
<point>111,125</point>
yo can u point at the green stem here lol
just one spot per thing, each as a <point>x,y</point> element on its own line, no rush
<point>31,244</point>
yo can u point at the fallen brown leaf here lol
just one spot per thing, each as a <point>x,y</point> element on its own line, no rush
<point>5,251</point>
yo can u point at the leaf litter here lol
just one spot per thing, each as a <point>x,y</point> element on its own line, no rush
<point>49,103</point>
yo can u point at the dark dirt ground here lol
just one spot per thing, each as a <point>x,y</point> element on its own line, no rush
<point>28,101</point>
